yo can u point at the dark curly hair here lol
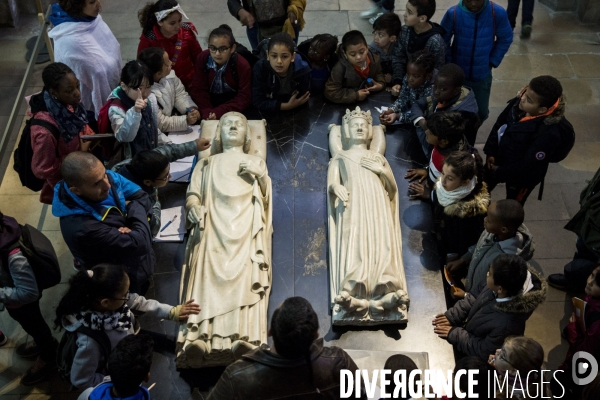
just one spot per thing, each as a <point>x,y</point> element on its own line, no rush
<point>129,363</point>
<point>53,74</point>
<point>423,59</point>
<point>548,88</point>
<point>448,126</point>
<point>146,15</point>
<point>510,272</point>
<point>72,7</point>
<point>453,73</point>
<point>388,22</point>
<point>424,7</point>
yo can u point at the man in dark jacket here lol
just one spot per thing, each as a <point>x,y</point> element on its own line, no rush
<point>299,366</point>
<point>478,326</point>
<point>585,225</point>
<point>104,218</point>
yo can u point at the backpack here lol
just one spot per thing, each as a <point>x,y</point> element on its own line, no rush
<point>40,254</point>
<point>567,141</point>
<point>112,151</point>
<point>67,349</point>
<point>23,154</point>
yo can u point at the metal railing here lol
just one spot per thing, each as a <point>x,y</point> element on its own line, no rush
<point>14,117</point>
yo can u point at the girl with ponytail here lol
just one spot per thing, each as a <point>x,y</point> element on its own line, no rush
<point>99,299</point>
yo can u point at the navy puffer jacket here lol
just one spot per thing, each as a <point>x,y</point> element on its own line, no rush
<point>474,47</point>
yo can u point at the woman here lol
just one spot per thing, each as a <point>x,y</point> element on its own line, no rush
<point>59,105</point>
<point>162,27</point>
<point>84,42</point>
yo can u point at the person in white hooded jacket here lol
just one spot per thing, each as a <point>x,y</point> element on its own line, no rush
<point>170,93</point>
<point>84,42</point>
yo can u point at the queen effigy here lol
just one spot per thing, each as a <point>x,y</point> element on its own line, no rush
<point>227,264</point>
<point>367,279</point>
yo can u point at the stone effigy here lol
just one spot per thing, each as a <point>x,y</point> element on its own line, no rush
<point>227,264</point>
<point>367,280</point>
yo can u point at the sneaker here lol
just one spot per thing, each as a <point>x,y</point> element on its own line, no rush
<point>28,350</point>
<point>38,372</point>
<point>526,31</point>
<point>372,19</point>
<point>558,281</point>
<point>371,12</point>
<point>3,339</point>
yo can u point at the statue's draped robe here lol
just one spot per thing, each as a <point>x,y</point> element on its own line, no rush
<point>227,266</point>
<point>365,243</point>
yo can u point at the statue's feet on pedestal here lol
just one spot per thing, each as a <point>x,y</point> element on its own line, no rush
<point>194,353</point>
<point>350,304</point>
<point>240,347</point>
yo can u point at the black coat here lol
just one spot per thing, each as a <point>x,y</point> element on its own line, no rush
<point>481,324</point>
<point>523,152</point>
<point>93,242</point>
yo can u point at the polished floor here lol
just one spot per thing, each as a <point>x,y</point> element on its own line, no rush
<point>297,158</point>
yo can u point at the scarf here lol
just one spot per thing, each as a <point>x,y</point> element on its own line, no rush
<point>120,319</point>
<point>70,123</point>
<point>445,198</point>
<point>364,72</point>
<point>147,132</point>
<point>218,86</point>
<point>548,112</point>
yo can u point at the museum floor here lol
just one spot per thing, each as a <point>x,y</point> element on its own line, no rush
<point>297,159</point>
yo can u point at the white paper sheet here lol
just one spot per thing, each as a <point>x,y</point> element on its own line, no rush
<point>181,171</point>
<point>192,133</point>
<point>174,231</point>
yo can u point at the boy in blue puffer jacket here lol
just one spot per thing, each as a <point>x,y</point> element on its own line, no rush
<point>481,36</point>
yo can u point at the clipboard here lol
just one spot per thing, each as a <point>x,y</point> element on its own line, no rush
<point>579,308</point>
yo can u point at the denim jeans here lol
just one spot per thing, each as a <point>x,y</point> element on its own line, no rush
<point>526,15</point>
<point>578,270</point>
<point>252,34</point>
<point>482,90</point>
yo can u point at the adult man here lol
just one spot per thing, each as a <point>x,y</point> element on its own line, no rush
<point>585,225</point>
<point>104,218</point>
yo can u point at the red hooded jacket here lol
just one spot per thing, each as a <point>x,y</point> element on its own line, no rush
<point>204,77</point>
<point>589,340</point>
<point>190,49</point>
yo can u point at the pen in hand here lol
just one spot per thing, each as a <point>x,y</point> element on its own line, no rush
<point>168,223</point>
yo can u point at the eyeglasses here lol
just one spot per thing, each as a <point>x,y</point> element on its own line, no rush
<point>166,178</point>
<point>221,50</point>
<point>127,296</point>
<point>502,356</point>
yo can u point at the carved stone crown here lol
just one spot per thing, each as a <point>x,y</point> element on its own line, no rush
<point>357,113</point>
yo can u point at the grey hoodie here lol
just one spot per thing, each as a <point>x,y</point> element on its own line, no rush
<point>481,255</point>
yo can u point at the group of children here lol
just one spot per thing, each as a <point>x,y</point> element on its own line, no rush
<point>173,83</point>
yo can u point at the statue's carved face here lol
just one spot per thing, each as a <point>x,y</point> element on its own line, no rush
<point>359,129</point>
<point>233,130</point>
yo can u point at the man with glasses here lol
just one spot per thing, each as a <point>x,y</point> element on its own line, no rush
<point>104,218</point>
<point>150,169</point>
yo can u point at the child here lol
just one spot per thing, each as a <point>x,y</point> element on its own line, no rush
<point>446,135</point>
<point>479,387</point>
<point>59,107</point>
<point>282,81</point>
<point>418,33</point>
<point>449,94</point>
<point>521,358</point>
<point>386,30</point>
<point>417,84</point>
<point>129,366</point>
<point>478,326</point>
<point>400,362</point>
<point>481,35</point>
<point>504,233</point>
<point>162,27</point>
<point>169,91</point>
<point>222,82</point>
<point>580,340</point>
<point>133,112</point>
<point>150,170</point>
<point>524,138</point>
<point>20,294</point>
<point>460,201</point>
<point>348,80</point>
<point>99,299</point>
<point>320,53</point>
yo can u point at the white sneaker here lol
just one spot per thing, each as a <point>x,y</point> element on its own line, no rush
<point>372,19</point>
<point>371,12</point>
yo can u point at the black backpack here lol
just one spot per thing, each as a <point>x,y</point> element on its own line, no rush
<point>67,349</point>
<point>40,254</point>
<point>24,154</point>
<point>567,141</point>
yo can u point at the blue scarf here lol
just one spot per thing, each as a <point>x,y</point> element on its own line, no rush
<point>219,86</point>
<point>69,123</point>
<point>59,16</point>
